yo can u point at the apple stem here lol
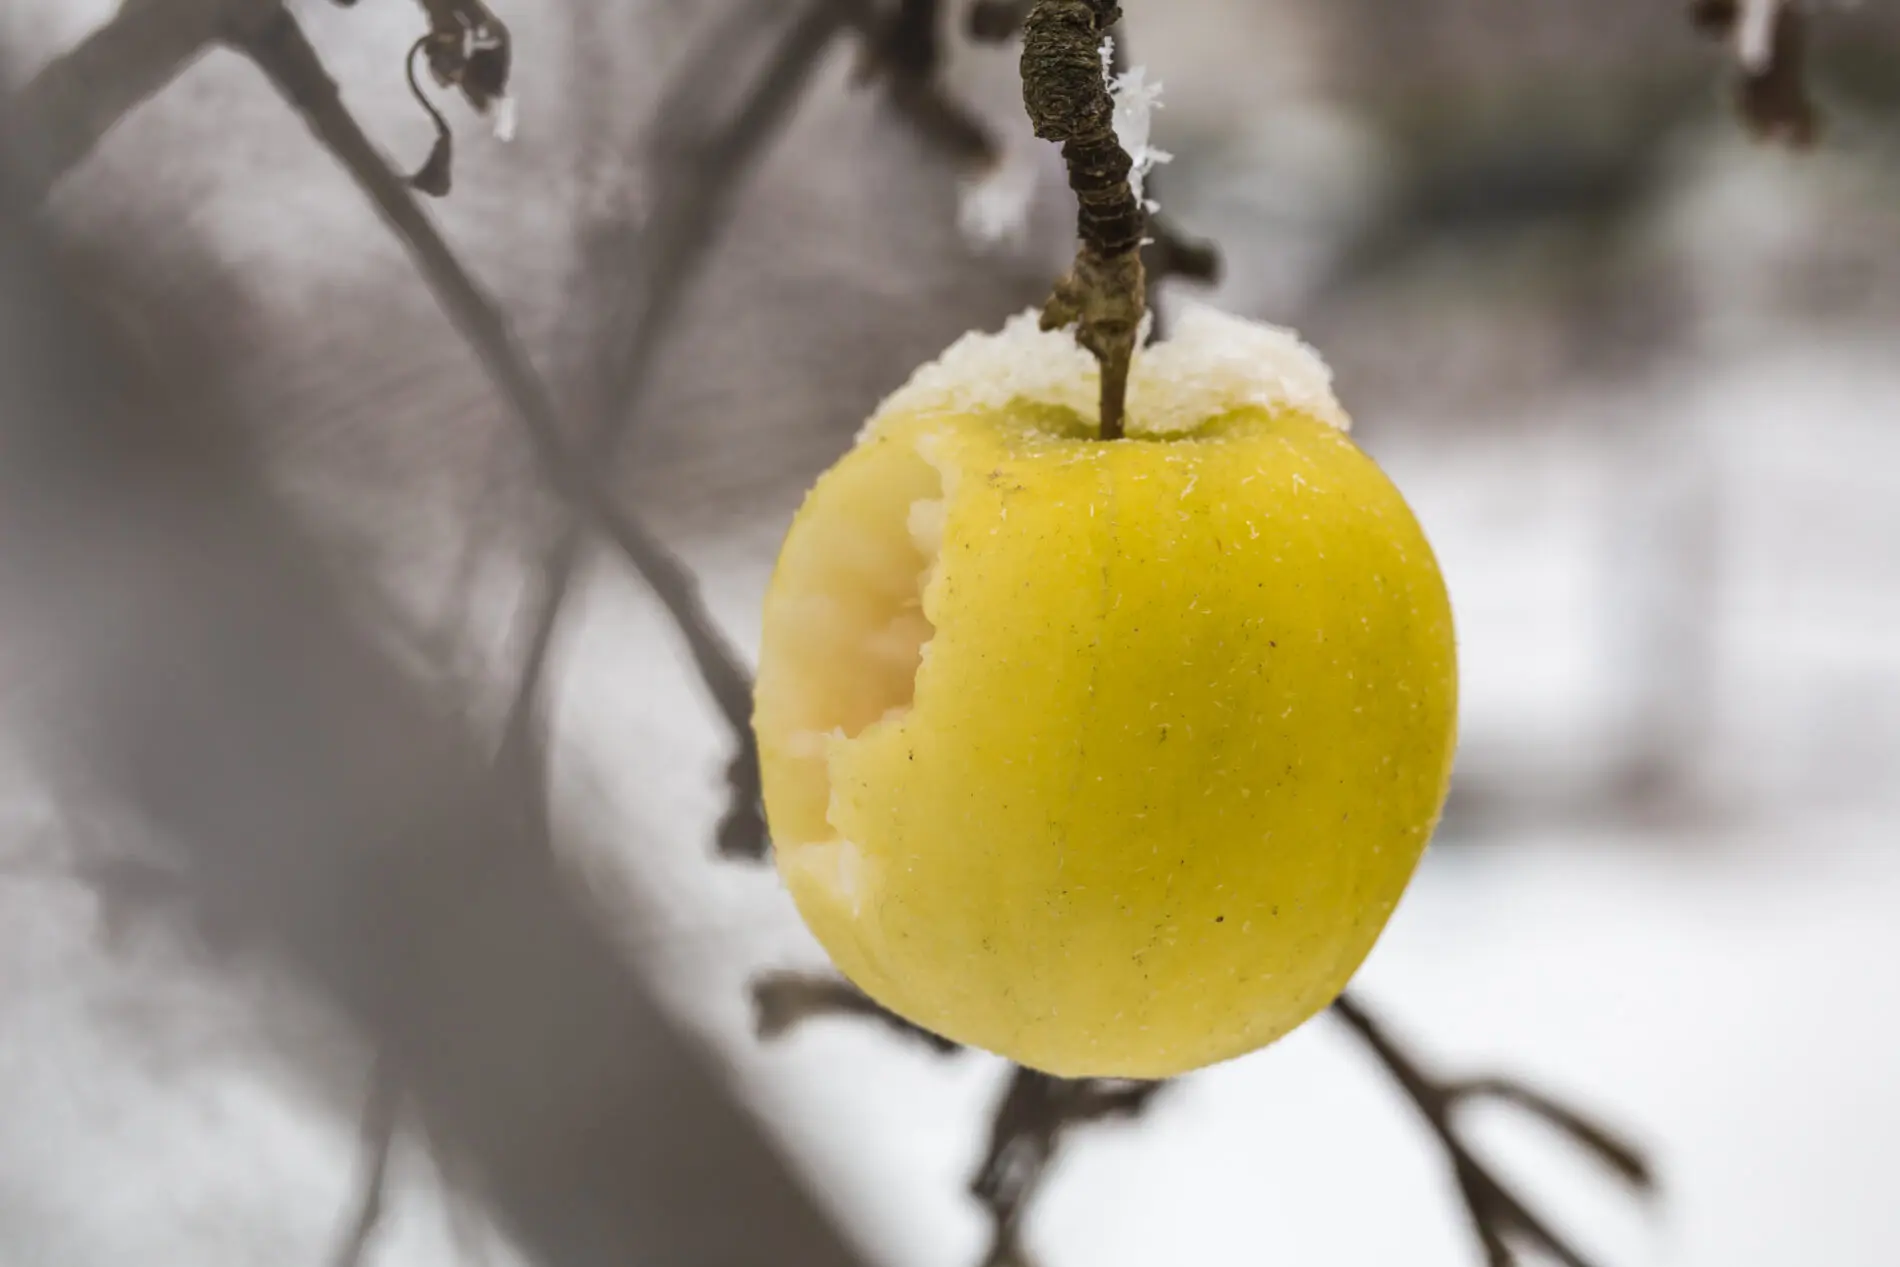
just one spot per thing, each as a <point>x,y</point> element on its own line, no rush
<point>1105,294</point>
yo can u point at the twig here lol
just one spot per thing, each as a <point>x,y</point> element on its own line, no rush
<point>1026,1133</point>
<point>682,231</point>
<point>695,200</point>
<point>906,50</point>
<point>1631,1166</point>
<point>785,1000</point>
<point>1496,1213</point>
<point>377,1140</point>
<point>280,49</point>
<point>1104,295</point>
<point>1771,45</point>
<point>1026,1128</point>
<point>68,107</point>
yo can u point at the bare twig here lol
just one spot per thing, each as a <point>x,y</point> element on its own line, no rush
<point>1770,40</point>
<point>285,55</point>
<point>1026,1132</point>
<point>906,51</point>
<point>377,1139</point>
<point>1104,295</point>
<point>67,108</point>
<point>697,188</point>
<point>675,244</point>
<point>1497,1214</point>
<point>783,1001</point>
<point>1026,1129</point>
<point>1618,1154</point>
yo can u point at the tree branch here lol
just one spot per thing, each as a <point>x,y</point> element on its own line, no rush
<point>783,1001</point>
<point>1497,1213</point>
<point>906,49</point>
<point>66,109</point>
<point>1105,294</point>
<point>1027,1126</point>
<point>679,236</point>
<point>280,49</point>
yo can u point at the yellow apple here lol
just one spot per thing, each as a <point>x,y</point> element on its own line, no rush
<point>1110,757</point>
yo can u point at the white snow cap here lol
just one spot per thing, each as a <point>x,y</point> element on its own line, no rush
<point>1214,363</point>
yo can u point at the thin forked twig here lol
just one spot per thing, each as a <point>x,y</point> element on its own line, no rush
<point>1027,1127</point>
<point>1497,1214</point>
<point>1035,1111</point>
<point>1026,1133</point>
<point>783,1001</point>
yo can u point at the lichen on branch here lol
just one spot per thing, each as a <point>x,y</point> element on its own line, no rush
<point>1067,97</point>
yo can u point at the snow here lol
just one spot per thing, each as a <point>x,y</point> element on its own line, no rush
<point>1136,101</point>
<point>1213,364</point>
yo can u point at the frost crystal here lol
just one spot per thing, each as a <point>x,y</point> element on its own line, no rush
<point>1136,100</point>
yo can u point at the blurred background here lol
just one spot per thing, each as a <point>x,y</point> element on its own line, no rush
<point>271,544</point>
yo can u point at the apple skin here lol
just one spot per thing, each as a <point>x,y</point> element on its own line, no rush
<point>1180,735</point>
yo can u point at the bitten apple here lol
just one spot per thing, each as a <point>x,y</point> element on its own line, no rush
<point>1110,757</point>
